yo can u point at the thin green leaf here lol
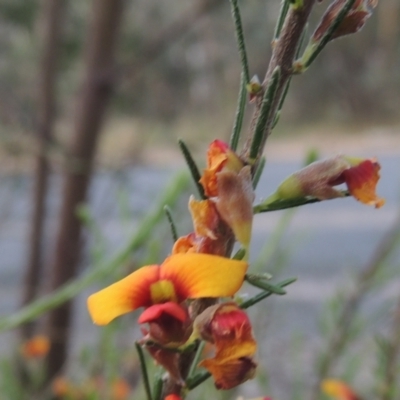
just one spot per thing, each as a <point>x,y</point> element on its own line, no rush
<point>240,109</point>
<point>263,295</point>
<point>264,116</point>
<point>262,284</point>
<point>172,225</point>
<point>194,171</point>
<point>240,39</point>
<point>145,374</point>
<point>259,171</point>
<point>281,18</point>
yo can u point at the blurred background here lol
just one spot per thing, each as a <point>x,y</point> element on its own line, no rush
<point>93,98</point>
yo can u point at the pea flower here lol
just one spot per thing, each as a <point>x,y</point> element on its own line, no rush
<point>228,328</point>
<point>210,231</point>
<point>319,178</point>
<point>338,390</point>
<point>179,277</point>
<point>227,181</point>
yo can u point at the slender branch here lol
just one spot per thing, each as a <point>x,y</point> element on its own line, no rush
<point>284,204</point>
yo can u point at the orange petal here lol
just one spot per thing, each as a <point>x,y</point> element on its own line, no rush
<point>361,181</point>
<point>234,203</point>
<point>229,328</point>
<point>219,156</point>
<point>173,397</point>
<point>186,244</point>
<point>205,217</point>
<point>231,373</point>
<point>203,275</point>
<point>338,390</point>
<point>123,296</point>
<point>155,311</point>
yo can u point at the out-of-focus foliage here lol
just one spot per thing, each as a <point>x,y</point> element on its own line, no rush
<point>356,80</point>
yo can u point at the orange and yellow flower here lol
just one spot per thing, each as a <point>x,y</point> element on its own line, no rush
<point>227,181</point>
<point>319,178</point>
<point>228,328</point>
<point>179,277</point>
<point>210,231</point>
<point>36,347</point>
<point>219,158</point>
<point>338,390</point>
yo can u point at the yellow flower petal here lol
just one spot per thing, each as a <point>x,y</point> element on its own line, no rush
<point>338,390</point>
<point>202,275</point>
<point>123,296</point>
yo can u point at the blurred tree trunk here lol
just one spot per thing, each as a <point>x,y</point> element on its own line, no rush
<point>50,36</point>
<point>96,92</point>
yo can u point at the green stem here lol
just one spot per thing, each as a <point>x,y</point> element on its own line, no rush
<point>237,126</point>
<point>72,289</point>
<point>313,49</point>
<point>143,368</point>
<point>273,203</point>
<point>194,171</point>
<point>264,116</point>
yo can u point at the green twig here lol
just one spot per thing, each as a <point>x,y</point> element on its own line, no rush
<point>237,126</point>
<point>145,374</point>
<point>313,49</point>
<point>172,225</point>
<point>72,289</point>
<point>263,295</point>
<point>264,116</point>
<point>259,171</point>
<point>284,204</point>
<point>240,39</point>
<point>194,171</point>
